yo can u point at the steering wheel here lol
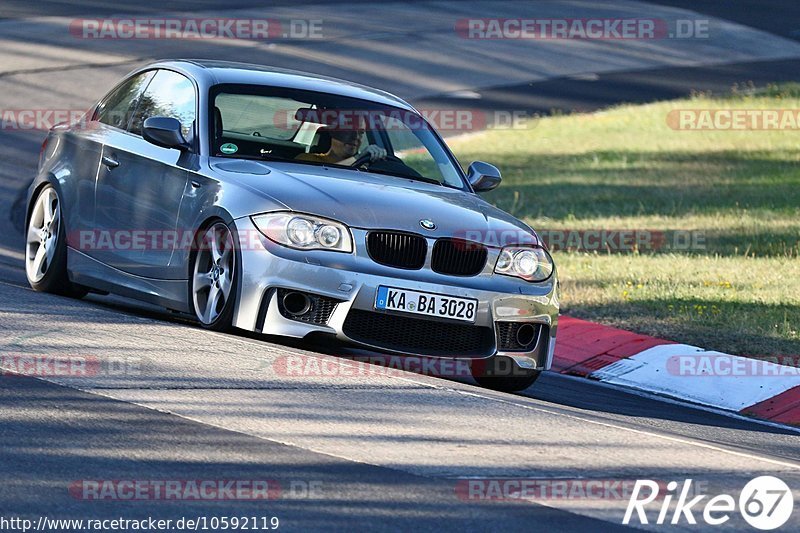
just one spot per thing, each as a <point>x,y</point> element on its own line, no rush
<point>363,159</point>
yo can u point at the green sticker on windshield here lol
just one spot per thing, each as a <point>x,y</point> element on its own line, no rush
<point>228,148</point>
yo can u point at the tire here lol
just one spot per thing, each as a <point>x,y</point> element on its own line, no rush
<point>214,277</point>
<point>501,374</point>
<point>46,247</point>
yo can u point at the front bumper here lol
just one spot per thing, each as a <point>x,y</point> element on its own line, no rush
<point>352,279</point>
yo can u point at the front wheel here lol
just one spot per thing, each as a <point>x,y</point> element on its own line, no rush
<point>214,278</point>
<point>46,247</point>
<point>502,374</point>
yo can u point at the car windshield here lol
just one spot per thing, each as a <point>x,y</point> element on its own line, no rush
<point>278,124</point>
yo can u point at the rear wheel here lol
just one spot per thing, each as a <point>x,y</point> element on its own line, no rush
<point>502,374</point>
<point>214,278</point>
<point>46,247</point>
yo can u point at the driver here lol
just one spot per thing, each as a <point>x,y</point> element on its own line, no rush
<point>344,148</point>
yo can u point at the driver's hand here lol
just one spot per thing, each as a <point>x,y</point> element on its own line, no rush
<point>375,152</point>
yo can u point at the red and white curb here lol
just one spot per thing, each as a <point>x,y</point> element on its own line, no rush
<point>762,389</point>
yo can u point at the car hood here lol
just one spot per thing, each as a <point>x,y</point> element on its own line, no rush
<point>373,201</point>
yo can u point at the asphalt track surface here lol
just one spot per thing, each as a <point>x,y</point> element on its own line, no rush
<point>385,451</point>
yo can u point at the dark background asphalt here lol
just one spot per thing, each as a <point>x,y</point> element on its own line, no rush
<point>779,17</point>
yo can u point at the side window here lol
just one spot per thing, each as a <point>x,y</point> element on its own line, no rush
<point>169,95</point>
<point>116,108</point>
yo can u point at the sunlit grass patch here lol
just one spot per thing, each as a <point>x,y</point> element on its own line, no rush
<point>626,168</point>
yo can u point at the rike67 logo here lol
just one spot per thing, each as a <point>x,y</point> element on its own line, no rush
<point>765,503</point>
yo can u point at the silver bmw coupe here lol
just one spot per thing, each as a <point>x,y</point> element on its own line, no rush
<point>291,204</point>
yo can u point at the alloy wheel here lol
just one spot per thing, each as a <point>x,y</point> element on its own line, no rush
<point>213,273</point>
<point>42,235</point>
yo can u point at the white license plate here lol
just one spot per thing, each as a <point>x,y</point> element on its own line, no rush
<point>426,303</point>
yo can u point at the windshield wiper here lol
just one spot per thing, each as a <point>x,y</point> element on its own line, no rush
<point>253,157</point>
<point>406,176</point>
<point>270,157</point>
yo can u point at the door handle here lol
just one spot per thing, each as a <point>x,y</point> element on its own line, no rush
<point>110,162</point>
<point>196,184</point>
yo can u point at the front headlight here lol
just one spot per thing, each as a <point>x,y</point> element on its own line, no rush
<point>304,232</point>
<point>528,263</point>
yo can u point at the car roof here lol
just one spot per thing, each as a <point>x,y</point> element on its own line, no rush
<point>214,72</point>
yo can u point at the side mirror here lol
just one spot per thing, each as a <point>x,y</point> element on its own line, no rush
<point>164,132</point>
<point>483,176</point>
